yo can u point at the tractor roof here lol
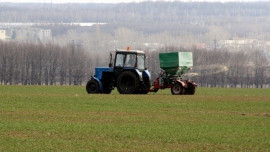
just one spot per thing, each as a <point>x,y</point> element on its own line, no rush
<point>130,51</point>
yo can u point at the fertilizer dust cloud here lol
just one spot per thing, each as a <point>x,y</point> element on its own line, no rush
<point>206,70</point>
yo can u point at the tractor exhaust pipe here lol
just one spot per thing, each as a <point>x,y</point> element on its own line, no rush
<point>110,64</point>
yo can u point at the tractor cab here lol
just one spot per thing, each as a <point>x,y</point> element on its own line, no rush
<point>127,60</point>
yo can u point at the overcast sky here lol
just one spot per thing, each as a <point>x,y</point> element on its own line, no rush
<point>116,1</point>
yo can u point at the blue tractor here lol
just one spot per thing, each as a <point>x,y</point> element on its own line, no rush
<point>128,74</point>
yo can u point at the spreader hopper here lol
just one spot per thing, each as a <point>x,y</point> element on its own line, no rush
<point>176,63</point>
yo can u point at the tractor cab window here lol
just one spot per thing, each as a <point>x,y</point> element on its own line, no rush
<point>130,60</point>
<point>140,59</point>
<point>119,60</point>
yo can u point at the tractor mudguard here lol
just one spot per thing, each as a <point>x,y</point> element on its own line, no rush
<point>140,74</point>
<point>146,73</point>
<point>100,84</point>
<point>191,82</point>
<point>182,83</point>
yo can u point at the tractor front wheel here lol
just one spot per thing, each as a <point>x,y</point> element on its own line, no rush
<point>107,89</point>
<point>92,87</point>
<point>127,83</point>
<point>177,89</point>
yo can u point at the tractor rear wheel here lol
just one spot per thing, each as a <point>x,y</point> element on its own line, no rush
<point>92,87</point>
<point>127,83</point>
<point>145,87</point>
<point>177,89</point>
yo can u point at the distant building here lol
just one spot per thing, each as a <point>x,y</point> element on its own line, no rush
<point>30,34</point>
<point>44,34</point>
<point>267,45</point>
<point>3,35</point>
<point>153,45</point>
<point>200,45</point>
<point>238,43</point>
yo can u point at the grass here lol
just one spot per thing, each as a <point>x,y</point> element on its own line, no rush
<point>64,118</point>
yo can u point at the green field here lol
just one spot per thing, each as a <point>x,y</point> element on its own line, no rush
<point>64,118</point>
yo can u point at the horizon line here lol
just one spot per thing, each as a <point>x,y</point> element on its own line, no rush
<point>136,1</point>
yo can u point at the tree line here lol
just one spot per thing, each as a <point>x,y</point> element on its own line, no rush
<point>51,64</point>
<point>42,64</point>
